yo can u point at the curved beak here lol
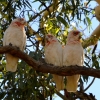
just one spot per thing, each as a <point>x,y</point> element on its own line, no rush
<point>25,23</point>
<point>80,36</point>
<point>46,38</point>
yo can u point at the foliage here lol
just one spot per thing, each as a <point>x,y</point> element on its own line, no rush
<point>26,83</point>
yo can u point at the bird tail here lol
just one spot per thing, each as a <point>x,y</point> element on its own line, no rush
<point>59,82</point>
<point>11,64</point>
<point>72,83</point>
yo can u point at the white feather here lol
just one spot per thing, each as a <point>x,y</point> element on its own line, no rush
<point>15,35</point>
<point>53,55</point>
<point>73,55</point>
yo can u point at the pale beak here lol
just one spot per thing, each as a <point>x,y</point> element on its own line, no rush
<point>25,23</point>
<point>80,36</point>
<point>46,39</point>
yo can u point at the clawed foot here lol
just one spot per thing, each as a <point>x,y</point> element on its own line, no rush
<point>10,44</point>
<point>17,47</point>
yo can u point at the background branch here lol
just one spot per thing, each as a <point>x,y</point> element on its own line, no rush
<point>47,68</point>
<point>89,84</point>
<point>92,40</point>
<point>62,96</point>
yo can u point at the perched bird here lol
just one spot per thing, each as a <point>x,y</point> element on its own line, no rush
<point>97,12</point>
<point>73,55</point>
<point>53,55</point>
<point>15,36</point>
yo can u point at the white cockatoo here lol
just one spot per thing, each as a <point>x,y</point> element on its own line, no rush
<point>97,12</point>
<point>53,55</point>
<point>15,36</point>
<point>73,55</point>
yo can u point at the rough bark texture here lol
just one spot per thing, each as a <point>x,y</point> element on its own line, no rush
<point>92,40</point>
<point>98,1</point>
<point>47,68</point>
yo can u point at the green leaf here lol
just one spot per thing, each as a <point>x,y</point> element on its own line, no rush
<point>87,64</point>
<point>49,78</point>
<point>62,20</point>
<point>2,1</point>
<point>31,54</point>
<point>93,58</point>
<point>96,64</point>
<point>88,21</point>
<point>85,78</point>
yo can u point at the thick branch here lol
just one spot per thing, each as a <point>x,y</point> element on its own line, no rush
<point>98,1</point>
<point>47,68</point>
<point>92,40</point>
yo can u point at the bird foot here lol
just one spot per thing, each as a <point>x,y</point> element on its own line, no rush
<point>10,44</point>
<point>17,47</point>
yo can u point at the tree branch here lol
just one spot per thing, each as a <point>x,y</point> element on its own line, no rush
<point>98,1</point>
<point>92,40</point>
<point>84,96</point>
<point>89,84</point>
<point>48,68</point>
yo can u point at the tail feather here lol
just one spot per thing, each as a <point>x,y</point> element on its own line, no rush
<point>72,83</point>
<point>59,82</point>
<point>11,64</point>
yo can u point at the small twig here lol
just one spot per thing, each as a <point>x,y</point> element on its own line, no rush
<point>84,96</point>
<point>89,84</point>
<point>60,95</point>
<point>38,14</point>
<point>87,25</point>
<point>93,51</point>
<point>45,6</point>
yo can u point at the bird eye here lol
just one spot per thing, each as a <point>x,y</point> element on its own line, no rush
<point>76,33</point>
<point>50,36</point>
<point>21,19</point>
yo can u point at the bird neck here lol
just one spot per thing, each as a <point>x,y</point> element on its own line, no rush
<point>18,25</point>
<point>73,42</point>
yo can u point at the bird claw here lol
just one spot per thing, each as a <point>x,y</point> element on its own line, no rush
<point>17,47</point>
<point>10,44</point>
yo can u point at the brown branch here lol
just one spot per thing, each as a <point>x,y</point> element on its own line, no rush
<point>84,96</point>
<point>98,1</point>
<point>47,68</point>
<point>93,39</point>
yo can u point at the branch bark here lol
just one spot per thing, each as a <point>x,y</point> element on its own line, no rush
<point>98,1</point>
<point>92,40</point>
<point>48,68</point>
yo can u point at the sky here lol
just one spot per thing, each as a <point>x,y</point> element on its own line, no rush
<point>95,89</point>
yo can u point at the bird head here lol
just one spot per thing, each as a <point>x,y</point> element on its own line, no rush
<point>49,38</point>
<point>74,35</point>
<point>19,21</point>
